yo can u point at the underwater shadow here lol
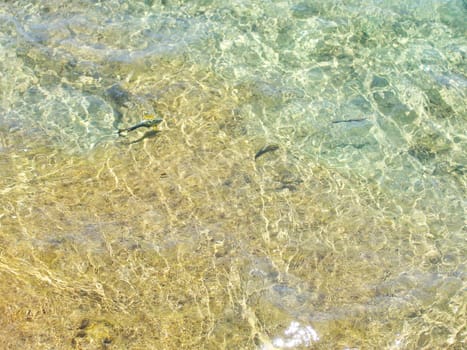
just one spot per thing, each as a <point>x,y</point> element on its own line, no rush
<point>147,135</point>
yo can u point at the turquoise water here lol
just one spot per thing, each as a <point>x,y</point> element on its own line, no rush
<point>349,234</point>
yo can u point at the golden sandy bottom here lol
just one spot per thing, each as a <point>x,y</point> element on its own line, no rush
<point>181,239</point>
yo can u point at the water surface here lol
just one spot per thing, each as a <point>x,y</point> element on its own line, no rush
<point>348,234</point>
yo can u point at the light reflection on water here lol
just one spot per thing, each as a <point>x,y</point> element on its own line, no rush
<point>349,235</point>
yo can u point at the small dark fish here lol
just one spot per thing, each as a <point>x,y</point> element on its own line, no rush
<point>266,149</point>
<point>348,120</point>
<point>142,124</point>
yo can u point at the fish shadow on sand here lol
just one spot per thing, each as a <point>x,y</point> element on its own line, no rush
<point>147,135</point>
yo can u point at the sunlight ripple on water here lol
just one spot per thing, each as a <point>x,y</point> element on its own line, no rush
<point>306,188</point>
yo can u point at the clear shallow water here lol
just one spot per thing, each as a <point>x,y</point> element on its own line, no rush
<point>350,235</point>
